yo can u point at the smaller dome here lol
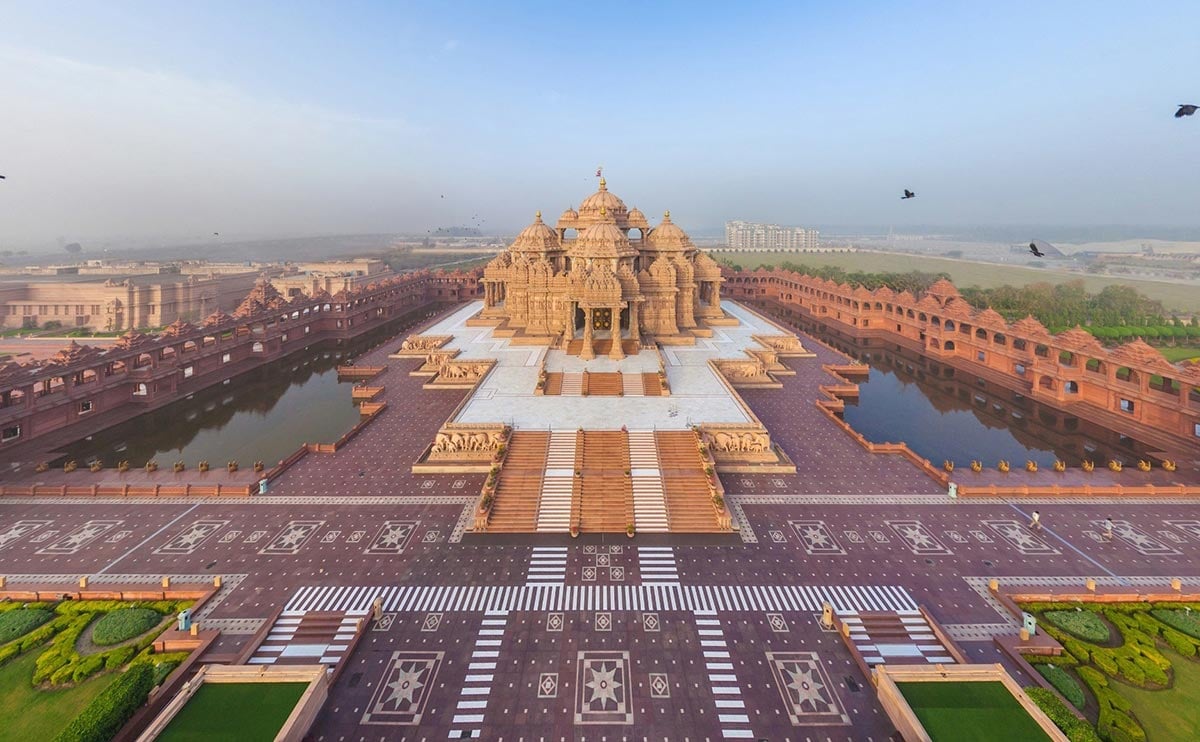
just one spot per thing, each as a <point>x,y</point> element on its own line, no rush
<point>635,213</point>
<point>669,235</point>
<point>569,215</point>
<point>537,236</point>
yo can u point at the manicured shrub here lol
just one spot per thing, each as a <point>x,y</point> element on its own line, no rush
<point>115,658</point>
<point>1064,684</point>
<point>15,623</point>
<point>1076,729</point>
<point>1076,649</point>
<point>124,624</point>
<point>1181,643</point>
<point>109,711</point>
<point>1085,625</point>
<point>1188,623</point>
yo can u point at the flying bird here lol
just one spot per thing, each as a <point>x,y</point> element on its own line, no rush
<point>1185,109</point>
<point>1033,248</point>
<point>1,177</point>
<point>908,194</point>
<point>216,234</point>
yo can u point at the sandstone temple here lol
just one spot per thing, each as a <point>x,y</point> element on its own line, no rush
<point>588,279</point>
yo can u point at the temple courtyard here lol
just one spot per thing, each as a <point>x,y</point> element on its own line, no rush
<point>547,637</point>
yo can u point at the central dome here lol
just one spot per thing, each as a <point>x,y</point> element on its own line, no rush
<point>602,200</point>
<point>603,240</point>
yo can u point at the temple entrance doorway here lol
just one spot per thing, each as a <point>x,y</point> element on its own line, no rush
<point>580,317</point>
<point>625,318</point>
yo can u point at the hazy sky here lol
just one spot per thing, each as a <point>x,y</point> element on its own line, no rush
<point>180,119</point>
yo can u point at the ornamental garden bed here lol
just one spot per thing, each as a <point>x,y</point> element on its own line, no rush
<point>57,683</point>
<point>1140,682</point>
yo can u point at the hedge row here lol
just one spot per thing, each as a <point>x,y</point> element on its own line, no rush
<point>1064,683</point>
<point>1114,723</point>
<point>1076,729</point>
<point>32,639</point>
<point>115,705</point>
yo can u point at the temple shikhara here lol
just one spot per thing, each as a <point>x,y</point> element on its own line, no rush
<point>588,279</point>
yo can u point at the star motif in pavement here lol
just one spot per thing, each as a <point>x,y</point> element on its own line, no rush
<point>405,685</point>
<point>10,534</point>
<point>805,685</point>
<point>604,686</point>
<point>293,537</point>
<point>193,537</point>
<point>914,535</point>
<point>1020,537</point>
<point>82,537</point>
<point>815,536</point>
<point>392,536</point>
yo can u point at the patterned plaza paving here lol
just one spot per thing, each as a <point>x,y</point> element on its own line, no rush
<point>549,638</point>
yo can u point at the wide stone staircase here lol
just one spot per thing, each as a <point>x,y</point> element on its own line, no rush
<point>519,489</point>
<point>895,638</point>
<point>606,500</point>
<point>665,489</point>
<point>572,384</point>
<point>685,487</point>
<point>558,483</point>
<point>652,385</point>
<point>631,385</point>
<point>649,501</point>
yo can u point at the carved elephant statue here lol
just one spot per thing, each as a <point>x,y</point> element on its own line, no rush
<point>722,441</point>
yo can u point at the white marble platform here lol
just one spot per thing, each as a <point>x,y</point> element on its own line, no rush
<point>507,394</point>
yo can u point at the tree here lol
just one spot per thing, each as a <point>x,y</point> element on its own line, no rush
<point>73,248</point>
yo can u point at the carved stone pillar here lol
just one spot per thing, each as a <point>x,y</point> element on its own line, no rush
<point>616,352</point>
<point>634,330</point>
<point>588,353</point>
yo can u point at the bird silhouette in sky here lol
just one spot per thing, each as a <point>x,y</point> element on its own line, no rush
<point>2,177</point>
<point>216,234</point>
<point>1036,252</point>
<point>443,195</point>
<point>1185,109</point>
<point>908,194</point>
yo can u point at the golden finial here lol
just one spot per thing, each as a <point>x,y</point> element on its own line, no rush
<point>603,184</point>
<point>538,215</point>
<point>667,215</point>
<point>603,211</point>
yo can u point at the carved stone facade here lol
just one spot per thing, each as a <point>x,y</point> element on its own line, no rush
<point>587,277</point>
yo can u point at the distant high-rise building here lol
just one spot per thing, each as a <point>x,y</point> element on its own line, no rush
<point>741,235</point>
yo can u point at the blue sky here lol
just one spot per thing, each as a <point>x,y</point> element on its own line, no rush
<point>177,119</point>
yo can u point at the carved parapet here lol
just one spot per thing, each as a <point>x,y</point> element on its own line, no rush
<point>420,345</point>
<point>461,374</point>
<point>465,441</point>
<point>434,361</point>
<point>786,346</point>
<point>751,372</point>
<point>738,444</point>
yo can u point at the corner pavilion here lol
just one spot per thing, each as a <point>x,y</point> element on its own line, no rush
<point>587,278</point>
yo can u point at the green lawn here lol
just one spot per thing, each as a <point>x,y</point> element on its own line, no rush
<point>1174,296</point>
<point>246,712</point>
<point>30,714</point>
<point>1175,355</point>
<point>975,710</point>
<point>1169,714</point>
